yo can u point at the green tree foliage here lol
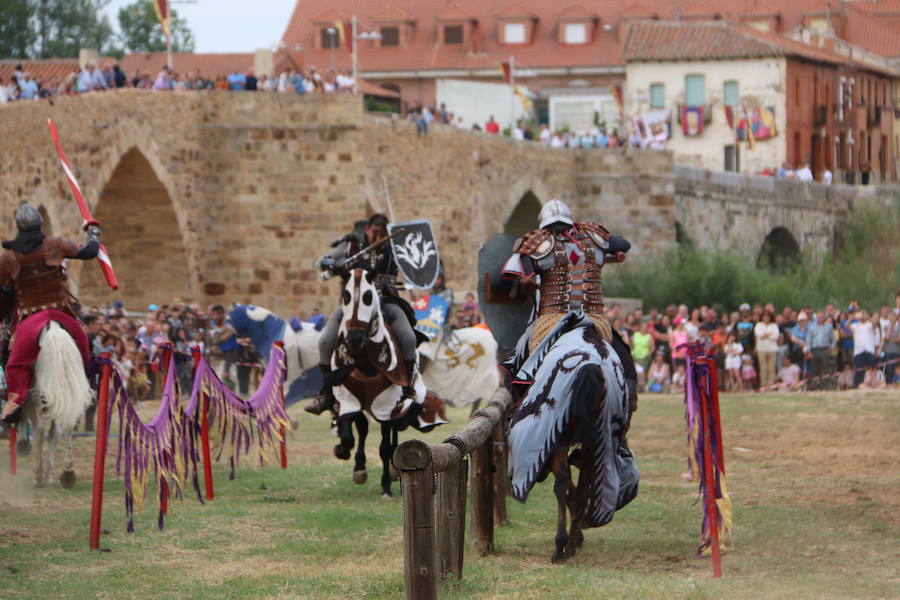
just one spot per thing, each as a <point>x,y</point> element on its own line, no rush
<point>66,26</point>
<point>16,33</point>
<point>141,31</point>
<point>865,266</point>
<point>53,28</point>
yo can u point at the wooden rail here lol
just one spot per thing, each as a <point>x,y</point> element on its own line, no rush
<point>433,540</point>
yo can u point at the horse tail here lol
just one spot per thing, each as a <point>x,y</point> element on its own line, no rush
<point>59,377</point>
<point>586,394</point>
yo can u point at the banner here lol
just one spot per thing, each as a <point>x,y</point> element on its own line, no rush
<point>756,124</point>
<point>431,314</point>
<point>692,120</point>
<point>507,72</point>
<point>162,13</point>
<point>654,128</point>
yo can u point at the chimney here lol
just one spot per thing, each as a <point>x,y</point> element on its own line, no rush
<point>264,62</point>
<point>86,55</point>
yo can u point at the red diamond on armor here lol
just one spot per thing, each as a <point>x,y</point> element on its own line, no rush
<point>574,257</point>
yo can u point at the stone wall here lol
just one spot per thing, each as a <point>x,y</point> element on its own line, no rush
<point>223,197</point>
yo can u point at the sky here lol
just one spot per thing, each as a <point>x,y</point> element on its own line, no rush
<point>228,25</point>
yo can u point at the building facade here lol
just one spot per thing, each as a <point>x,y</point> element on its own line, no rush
<point>742,99</point>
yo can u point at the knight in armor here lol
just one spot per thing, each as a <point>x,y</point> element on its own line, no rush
<point>563,260</point>
<point>396,311</point>
<point>32,271</point>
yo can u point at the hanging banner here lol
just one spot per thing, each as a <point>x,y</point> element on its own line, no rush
<point>760,122</point>
<point>692,120</point>
<point>162,13</point>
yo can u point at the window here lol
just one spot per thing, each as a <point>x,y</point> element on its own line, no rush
<point>657,95</point>
<point>514,33</point>
<point>453,35</point>
<point>390,36</point>
<point>819,25</point>
<point>732,93</point>
<point>694,90</point>
<point>762,25</point>
<point>575,33</point>
<point>330,40</point>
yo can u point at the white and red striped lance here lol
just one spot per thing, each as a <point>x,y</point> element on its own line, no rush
<point>103,256</point>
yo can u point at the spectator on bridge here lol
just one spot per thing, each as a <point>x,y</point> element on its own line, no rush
<point>163,81</point>
<point>28,87</point>
<point>91,79</point>
<point>865,171</point>
<point>602,140</point>
<point>827,176</point>
<point>251,82</point>
<point>237,81</point>
<point>492,126</point>
<point>805,174</point>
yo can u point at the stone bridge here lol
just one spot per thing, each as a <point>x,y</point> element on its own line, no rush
<point>221,197</point>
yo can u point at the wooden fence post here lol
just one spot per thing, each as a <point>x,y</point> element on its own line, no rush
<point>483,499</point>
<point>420,565</point>
<point>451,518</point>
<point>500,459</point>
<point>100,453</point>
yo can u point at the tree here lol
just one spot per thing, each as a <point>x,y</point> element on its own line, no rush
<point>141,31</point>
<point>16,33</point>
<point>65,26</point>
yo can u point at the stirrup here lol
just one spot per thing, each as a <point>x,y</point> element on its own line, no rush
<point>323,402</point>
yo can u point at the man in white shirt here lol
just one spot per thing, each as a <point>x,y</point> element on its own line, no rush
<point>517,132</point>
<point>866,338</point>
<point>545,134</point>
<point>805,174</point>
<point>827,176</point>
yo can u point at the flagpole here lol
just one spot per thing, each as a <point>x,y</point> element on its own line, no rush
<point>512,94</point>
<point>169,50</point>
<point>354,53</point>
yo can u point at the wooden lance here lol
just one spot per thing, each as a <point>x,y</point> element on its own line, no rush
<point>103,256</point>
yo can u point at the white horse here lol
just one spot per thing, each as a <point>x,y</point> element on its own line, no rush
<point>58,398</point>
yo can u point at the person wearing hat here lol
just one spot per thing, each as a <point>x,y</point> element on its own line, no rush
<point>744,328</point>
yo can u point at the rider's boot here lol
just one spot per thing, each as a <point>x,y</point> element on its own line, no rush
<point>631,390</point>
<point>325,400</point>
<point>409,391</point>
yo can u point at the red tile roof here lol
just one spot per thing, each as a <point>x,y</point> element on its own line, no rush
<point>455,12</point>
<point>864,28</point>
<point>716,40</point>
<point>45,70</point>
<point>638,11</point>
<point>393,13</point>
<point>209,65</point>
<point>516,9</point>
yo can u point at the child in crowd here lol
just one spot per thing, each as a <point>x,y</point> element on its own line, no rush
<point>678,379</point>
<point>748,373</point>
<point>873,379</point>
<point>845,378</point>
<point>138,382</point>
<point>733,350</point>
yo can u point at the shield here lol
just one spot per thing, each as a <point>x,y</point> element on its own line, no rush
<point>431,316</point>
<point>415,252</point>
<point>507,320</point>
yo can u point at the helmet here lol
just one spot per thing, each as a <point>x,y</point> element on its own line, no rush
<point>28,218</point>
<point>555,211</point>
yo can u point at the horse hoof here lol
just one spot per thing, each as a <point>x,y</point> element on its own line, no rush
<point>23,447</point>
<point>394,473</point>
<point>360,477</point>
<point>39,483</point>
<point>67,479</point>
<point>387,496</point>
<point>558,558</point>
<point>341,452</point>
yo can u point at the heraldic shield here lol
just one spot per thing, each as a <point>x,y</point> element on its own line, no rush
<point>415,252</point>
<point>507,314</point>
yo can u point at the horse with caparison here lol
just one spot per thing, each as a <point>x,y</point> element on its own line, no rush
<point>368,375</point>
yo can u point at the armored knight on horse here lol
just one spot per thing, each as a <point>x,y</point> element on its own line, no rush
<point>367,248</point>
<point>37,305</point>
<point>573,375</point>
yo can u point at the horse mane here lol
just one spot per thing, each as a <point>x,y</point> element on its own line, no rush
<point>59,378</point>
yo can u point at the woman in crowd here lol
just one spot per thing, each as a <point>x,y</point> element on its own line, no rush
<point>642,346</point>
<point>659,374</point>
<point>766,334</point>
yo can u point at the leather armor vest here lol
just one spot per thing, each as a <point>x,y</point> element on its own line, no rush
<point>570,280</point>
<point>39,278</point>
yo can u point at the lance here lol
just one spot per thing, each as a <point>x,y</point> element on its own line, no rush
<point>328,275</point>
<point>102,256</point>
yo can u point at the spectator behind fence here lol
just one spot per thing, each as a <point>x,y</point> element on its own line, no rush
<point>766,344</point>
<point>865,342</point>
<point>659,374</point>
<point>820,341</point>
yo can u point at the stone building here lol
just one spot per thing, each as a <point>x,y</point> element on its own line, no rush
<point>747,100</point>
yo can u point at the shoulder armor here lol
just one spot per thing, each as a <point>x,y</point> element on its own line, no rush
<point>56,249</point>
<point>598,233</point>
<point>537,244</point>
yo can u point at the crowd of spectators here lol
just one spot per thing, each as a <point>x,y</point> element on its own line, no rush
<point>759,349</point>
<point>94,78</point>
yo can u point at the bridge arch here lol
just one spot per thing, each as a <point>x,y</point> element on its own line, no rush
<point>780,250</point>
<point>524,216</point>
<point>144,238</point>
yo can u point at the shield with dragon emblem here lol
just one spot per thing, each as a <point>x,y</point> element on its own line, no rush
<point>415,252</point>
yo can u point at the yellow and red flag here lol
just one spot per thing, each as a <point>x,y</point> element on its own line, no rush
<point>162,13</point>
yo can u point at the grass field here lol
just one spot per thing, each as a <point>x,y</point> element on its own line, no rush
<point>815,481</point>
